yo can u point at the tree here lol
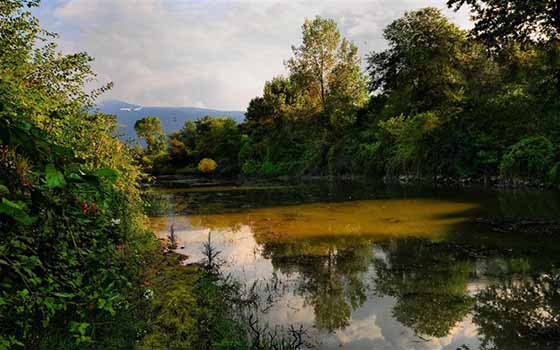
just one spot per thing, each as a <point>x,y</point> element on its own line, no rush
<point>324,65</point>
<point>421,68</point>
<point>501,21</point>
<point>348,86</point>
<point>149,129</point>
<point>299,122</point>
<point>207,166</point>
<point>534,23</point>
<point>315,59</point>
<point>217,138</point>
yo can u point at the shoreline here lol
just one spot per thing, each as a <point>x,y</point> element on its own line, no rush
<point>491,182</point>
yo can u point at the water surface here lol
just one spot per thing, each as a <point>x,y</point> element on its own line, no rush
<point>366,266</point>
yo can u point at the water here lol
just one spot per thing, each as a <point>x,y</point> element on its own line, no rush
<point>366,266</point>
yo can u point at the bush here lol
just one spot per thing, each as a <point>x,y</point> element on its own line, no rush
<point>406,145</point>
<point>554,174</point>
<point>207,166</point>
<point>532,157</point>
<point>72,231</point>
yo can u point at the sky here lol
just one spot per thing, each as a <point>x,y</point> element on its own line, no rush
<point>207,53</point>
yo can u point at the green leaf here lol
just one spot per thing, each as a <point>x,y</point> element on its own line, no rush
<point>16,210</point>
<point>64,295</point>
<point>55,179</point>
<point>4,191</point>
<point>108,173</point>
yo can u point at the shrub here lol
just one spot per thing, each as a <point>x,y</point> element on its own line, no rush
<point>405,142</point>
<point>72,231</point>
<point>554,174</point>
<point>532,157</point>
<point>207,166</point>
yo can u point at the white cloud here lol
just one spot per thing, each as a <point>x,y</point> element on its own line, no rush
<point>207,53</point>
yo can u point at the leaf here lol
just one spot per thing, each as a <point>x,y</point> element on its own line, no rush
<point>108,173</point>
<point>16,210</point>
<point>54,177</point>
<point>4,191</point>
<point>74,177</point>
<point>64,295</point>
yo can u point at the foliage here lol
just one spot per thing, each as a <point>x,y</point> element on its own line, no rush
<point>219,139</point>
<point>296,126</point>
<point>513,20</point>
<point>554,174</point>
<point>149,129</point>
<point>520,315</point>
<point>441,102</point>
<point>421,69</point>
<point>197,307</point>
<point>70,214</point>
<point>207,166</point>
<point>530,158</point>
<point>406,142</point>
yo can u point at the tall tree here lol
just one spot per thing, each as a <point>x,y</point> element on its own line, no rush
<point>421,67</point>
<point>327,66</point>
<point>149,129</point>
<point>315,59</point>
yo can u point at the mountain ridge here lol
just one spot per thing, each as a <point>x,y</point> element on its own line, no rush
<point>172,118</point>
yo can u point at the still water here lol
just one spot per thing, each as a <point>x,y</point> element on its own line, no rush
<point>367,266</point>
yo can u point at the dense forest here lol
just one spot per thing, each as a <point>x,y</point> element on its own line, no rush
<point>79,268</point>
<point>439,101</point>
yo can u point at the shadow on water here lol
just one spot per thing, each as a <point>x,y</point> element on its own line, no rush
<point>369,266</point>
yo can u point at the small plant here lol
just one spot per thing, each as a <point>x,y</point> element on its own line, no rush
<point>211,263</point>
<point>172,238</point>
<point>207,166</point>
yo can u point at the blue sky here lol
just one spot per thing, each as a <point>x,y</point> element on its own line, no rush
<point>206,53</point>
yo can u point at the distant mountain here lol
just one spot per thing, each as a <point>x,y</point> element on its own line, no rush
<point>172,118</point>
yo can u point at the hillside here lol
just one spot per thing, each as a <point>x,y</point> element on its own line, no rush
<point>172,118</point>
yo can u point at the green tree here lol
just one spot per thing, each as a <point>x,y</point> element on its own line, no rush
<point>217,138</point>
<point>501,21</point>
<point>299,122</point>
<point>315,60</point>
<point>149,129</point>
<point>421,69</point>
<point>327,68</point>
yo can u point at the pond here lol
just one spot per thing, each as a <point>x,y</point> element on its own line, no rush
<point>370,266</point>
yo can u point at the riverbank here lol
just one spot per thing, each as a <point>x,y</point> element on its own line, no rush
<point>494,182</point>
<point>195,305</point>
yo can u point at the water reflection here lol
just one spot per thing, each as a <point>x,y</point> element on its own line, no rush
<point>384,269</point>
<point>332,278</point>
<point>430,283</point>
<point>520,314</point>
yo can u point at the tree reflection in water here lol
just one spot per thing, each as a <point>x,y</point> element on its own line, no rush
<point>333,275</point>
<point>520,315</point>
<point>459,272</point>
<point>429,282</point>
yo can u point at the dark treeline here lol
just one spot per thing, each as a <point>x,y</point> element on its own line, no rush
<point>439,100</point>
